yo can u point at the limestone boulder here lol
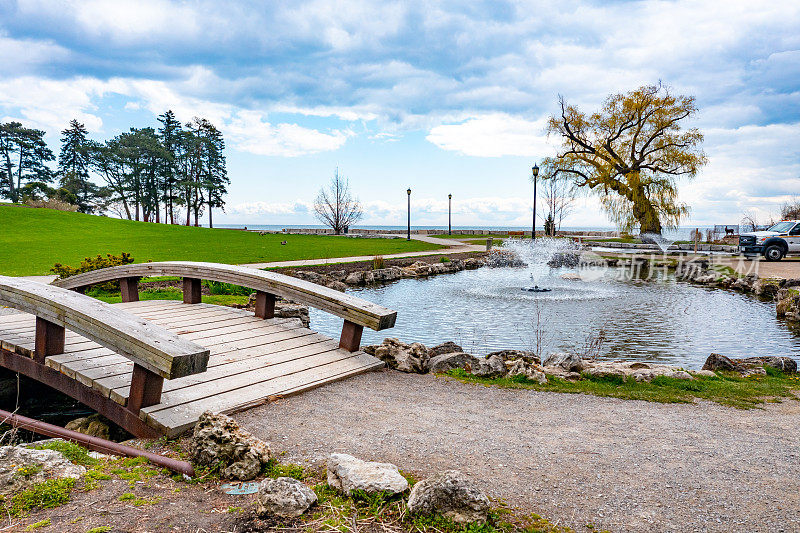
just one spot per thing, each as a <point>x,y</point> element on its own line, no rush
<point>490,367</point>
<point>22,467</point>
<point>766,288</point>
<point>218,439</point>
<point>571,362</point>
<point>445,347</point>
<point>716,362</point>
<point>293,310</point>
<point>347,474</point>
<point>450,361</point>
<point>285,497</point>
<point>531,371</point>
<point>412,358</point>
<point>513,355</point>
<point>93,425</point>
<point>321,279</point>
<point>452,495</point>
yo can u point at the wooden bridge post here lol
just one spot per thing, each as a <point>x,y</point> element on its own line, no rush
<point>145,389</point>
<point>351,336</point>
<point>192,292</point>
<point>49,339</point>
<point>265,305</point>
<point>129,287</point>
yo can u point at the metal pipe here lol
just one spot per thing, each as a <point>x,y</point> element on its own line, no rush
<point>94,443</point>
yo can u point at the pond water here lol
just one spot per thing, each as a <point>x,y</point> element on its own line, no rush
<point>649,317</point>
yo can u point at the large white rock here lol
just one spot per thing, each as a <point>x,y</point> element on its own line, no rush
<point>284,496</point>
<point>21,467</point>
<point>347,474</point>
<point>450,494</point>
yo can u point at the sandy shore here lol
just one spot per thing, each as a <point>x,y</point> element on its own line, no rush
<point>574,459</point>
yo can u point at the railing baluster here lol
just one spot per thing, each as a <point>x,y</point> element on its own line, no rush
<point>145,389</point>
<point>129,287</point>
<point>49,339</point>
<point>192,293</point>
<point>351,336</point>
<point>265,305</point>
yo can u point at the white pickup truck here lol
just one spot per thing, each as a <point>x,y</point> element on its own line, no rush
<point>781,239</point>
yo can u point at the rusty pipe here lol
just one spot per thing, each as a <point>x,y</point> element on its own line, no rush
<point>94,443</point>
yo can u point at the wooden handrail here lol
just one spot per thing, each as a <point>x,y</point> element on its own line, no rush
<point>351,308</point>
<point>153,349</point>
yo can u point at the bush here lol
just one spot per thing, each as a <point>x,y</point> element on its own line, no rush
<point>378,263</point>
<point>444,260</point>
<point>94,263</point>
<point>51,203</point>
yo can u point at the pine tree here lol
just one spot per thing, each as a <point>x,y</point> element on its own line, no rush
<point>23,158</point>
<point>73,168</point>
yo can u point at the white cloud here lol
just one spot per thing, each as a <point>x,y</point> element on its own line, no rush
<point>250,132</point>
<point>494,135</point>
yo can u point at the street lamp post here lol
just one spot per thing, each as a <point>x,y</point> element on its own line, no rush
<point>449,214</point>
<point>535,170</point>
<point>408,235</point>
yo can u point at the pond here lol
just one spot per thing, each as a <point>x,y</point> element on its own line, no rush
<point>652,318</point>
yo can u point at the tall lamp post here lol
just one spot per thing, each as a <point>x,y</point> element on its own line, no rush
<point>535,170</point>
<point>449,214</point>
<point>408,235</point>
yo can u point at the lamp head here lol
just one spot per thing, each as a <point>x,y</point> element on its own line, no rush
<point>449,196</point>
<point>535,170</point>
<point>409,191</point>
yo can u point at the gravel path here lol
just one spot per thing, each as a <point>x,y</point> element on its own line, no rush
<point>574,459</point>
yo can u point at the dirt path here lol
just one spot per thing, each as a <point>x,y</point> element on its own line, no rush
<point>575,459</point>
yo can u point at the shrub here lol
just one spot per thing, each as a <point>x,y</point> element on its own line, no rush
<point>51,203</point>
<point>378,263</point>
<point>94,263</point>
<point>444,260</point>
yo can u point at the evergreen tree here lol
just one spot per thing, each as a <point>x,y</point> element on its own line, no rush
<point>23,158</point>
<point>73,169</point>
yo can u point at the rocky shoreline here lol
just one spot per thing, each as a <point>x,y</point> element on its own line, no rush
<point>784,292</point>
<point>417,358</point>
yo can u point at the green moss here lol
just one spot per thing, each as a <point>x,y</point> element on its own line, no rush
<point>28,471</point>
<point>45,495</point>
<point>725,388</point>
<point>41,523</point>
<point>275,469</point>
<point>74,452</point>
<point>100,529</point>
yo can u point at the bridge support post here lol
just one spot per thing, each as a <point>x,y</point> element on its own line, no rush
<point>49,339</point>
<point>145,389</point>
<point>265,305</point>
<point>191,291</point>
<point>351,336</point>
<point>129,287</point>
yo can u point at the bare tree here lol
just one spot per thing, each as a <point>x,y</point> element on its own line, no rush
<point>335,207</point>
<point>791,210</point>
<point>749,221</point>
<point>559,195</point>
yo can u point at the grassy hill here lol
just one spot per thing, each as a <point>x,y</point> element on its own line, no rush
<point>32,240</point>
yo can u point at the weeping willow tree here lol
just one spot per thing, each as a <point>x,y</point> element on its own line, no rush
<point>631,155</point>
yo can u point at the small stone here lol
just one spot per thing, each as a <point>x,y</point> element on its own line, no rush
<point>285,497</point>
<point>347,473</point>
<point>680,374</point>
<point>452,495</point>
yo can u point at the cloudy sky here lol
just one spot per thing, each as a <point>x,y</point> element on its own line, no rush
<point>442,97</point>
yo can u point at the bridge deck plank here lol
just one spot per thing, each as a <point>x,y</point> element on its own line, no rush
<point>251,361</point>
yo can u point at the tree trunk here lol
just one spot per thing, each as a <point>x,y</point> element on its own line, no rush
<point>210,221</point>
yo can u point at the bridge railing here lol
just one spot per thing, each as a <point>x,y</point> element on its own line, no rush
<point>356,312</point>
<point>156,352</point>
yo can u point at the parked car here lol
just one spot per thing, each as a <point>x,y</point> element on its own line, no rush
<point>775,243</point>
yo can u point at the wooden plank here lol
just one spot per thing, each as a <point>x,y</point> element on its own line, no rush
<point>235,375</point>
<point>346,306</point>
<point>151,346</point>
<point>174,420</point>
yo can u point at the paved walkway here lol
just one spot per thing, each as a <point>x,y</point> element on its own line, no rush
<point>453,247</point>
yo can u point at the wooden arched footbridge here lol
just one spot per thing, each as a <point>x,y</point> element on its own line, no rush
<point>115,358</point>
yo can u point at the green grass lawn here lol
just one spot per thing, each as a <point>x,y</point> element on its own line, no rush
<point>32,240</point>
